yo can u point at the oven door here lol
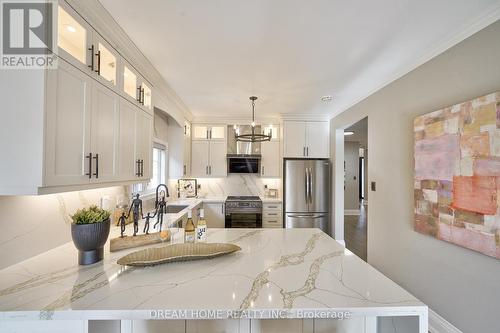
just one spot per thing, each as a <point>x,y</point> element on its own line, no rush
<point>243,220</point>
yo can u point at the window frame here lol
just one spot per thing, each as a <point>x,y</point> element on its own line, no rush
<point>143,188</point>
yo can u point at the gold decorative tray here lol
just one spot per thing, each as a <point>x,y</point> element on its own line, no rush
<point>177,252</point>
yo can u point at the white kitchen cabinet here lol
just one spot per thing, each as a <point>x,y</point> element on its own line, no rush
<point>187,150</point>
<point>270,161</point>
<point>104,133</point>
<point>318,139</point>
<point>74,38</point>
<point>218,159</point>
<point>308,139</point>
<point>143,144</point>
<point>295,139</point>
<point>127,165</point>
<point>209,132</point>
<point>68,115</point>
<point>272,215</point>
<point>106,62</point>
<point>214,214</point>
<point>200,152</point>
<point>208,158</point>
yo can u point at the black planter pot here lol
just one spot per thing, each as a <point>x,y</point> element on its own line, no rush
<point>89,239</point>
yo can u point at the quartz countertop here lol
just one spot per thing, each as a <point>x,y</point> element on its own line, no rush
<point>277,269</point>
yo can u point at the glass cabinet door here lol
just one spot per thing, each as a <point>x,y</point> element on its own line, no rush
<point>106,63</point>
<point>200,132</point>
<point>73,36</point>
<point>129,82</point>
<point>218,132</point>
<point>146,96</point>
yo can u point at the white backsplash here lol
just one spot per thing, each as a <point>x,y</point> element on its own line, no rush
<point>31,225</point>
<point>233,185</point>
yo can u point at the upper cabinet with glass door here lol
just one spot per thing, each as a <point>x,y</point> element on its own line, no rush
<point>74,38</point>
<point>135,88</point>
<point>209,132</point>
<point>84,48</point>
<point>106,61</point>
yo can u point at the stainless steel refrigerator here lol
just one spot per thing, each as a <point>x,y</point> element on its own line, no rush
<point>307,194</point>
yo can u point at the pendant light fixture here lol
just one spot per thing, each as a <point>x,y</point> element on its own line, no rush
<point>253,137</point>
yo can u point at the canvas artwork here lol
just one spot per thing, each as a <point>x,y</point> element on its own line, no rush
<point>457,174</point>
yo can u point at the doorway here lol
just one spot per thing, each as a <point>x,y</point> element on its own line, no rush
<point>355,224</point>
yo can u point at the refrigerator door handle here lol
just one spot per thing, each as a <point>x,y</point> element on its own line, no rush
<point>307,216</point>
<point>309,188</point>
<point>306,180</point>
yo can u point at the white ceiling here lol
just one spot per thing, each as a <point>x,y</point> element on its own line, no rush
<point>217,53</point>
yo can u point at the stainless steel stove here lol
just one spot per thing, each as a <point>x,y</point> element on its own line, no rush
<point>243,212</point>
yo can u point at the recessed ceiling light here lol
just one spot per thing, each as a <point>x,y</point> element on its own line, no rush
<point>70,28</point>
<point>347,133</point>
<point>327,98</point>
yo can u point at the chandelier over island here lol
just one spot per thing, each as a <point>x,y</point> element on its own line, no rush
<point>252,137</point>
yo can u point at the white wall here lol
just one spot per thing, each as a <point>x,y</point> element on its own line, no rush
<point>459,284</point>
<point>351,192</point>
<point>31,225</point>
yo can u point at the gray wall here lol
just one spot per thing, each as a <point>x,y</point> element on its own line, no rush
<point>459,284</point>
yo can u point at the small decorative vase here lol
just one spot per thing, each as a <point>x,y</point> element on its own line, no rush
<point>89,239</point>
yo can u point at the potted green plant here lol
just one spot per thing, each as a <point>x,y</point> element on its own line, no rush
<point>90,230</point>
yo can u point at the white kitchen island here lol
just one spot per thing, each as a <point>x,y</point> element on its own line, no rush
<point>301,278</point>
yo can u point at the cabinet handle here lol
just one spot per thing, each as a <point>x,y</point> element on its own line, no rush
<point>307,151</point>
<point>210,133</point>
<point>303,151</point>
<point>263,173</point>
<point>185,130</point>
<point>89,156</point>
<point>138,94</point>
<point>91,49</point>
<point>184,169</point>
<point>96,174</point>
<point>207,133</point>
<point>142,168</point>
<point>138,164</point>
<point>222,208</point>
<point>206,170</point>
<point>98,54</point>
<point>210,169</point>
<point>272,214</point>
<point>142,94</point>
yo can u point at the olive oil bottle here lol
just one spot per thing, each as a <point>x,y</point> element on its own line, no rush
<point>189,229</point>
<point>201,228</point>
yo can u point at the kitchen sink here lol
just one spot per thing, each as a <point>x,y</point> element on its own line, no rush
<point>172,209</point>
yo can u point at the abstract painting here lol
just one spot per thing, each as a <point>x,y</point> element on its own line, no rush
<point>457,174</point>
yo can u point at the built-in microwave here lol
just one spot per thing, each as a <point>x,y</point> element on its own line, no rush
<point>243,163</point>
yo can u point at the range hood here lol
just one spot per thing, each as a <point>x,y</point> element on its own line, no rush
<point>242,157</point>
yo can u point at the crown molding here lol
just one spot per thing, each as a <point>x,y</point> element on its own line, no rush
<point>101,20</point>
<point>490,16</point>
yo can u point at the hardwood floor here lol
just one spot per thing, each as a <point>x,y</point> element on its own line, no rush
<point>355,232</point>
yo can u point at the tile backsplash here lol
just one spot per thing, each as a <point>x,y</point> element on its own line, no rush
<point>232,185</point>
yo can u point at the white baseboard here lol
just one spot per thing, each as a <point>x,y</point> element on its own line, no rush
<point>351,211</point>
<point>438,324</point>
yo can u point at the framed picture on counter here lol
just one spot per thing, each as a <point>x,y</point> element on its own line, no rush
<point>187,188</point>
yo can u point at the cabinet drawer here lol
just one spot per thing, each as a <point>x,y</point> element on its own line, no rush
<point>272,222</point>
<point>272,206</point>
<point>272,214</point>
